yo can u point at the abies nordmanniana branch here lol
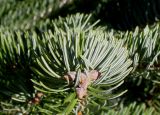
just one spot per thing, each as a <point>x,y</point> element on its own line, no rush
<point>72,60</point>
<point>93,62</point>
<point>73,45</point>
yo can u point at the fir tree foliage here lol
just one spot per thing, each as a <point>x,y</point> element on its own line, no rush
<point>16,57</point>
<point>70,45</point>
<point>132,109</point>
<point>25,14</point>
<point>75,47</point>
<point>143,46</point>
<point>71,65</point>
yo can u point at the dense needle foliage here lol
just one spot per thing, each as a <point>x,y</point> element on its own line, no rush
<point>64,57</point>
